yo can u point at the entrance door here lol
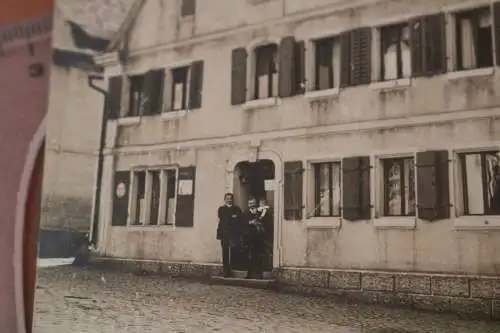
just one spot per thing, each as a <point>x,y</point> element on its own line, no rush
<point>255,180</point>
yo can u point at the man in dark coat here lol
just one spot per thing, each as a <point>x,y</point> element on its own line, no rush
<point>229,230</point>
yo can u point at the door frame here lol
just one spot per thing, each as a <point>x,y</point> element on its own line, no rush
<point>35,149</point>
<point>253,154</point>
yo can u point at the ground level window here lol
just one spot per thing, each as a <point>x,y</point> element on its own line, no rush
<point>480,180</point>
<point>399,186</point>
<point>474,41</point>
<point>153,197</point>
<point>327,189</point>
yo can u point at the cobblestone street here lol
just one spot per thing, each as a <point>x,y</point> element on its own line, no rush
<point>75,300</point>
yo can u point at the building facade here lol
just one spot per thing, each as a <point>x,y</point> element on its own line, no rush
<point>72,149</point>
<point>372,127</point>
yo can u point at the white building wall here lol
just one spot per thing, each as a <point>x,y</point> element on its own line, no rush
<point>443,112</point>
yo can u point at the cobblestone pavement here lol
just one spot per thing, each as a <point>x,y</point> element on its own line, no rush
<point>76,300</point>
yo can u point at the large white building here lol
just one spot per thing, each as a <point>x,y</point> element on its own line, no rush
<point>372,126</point>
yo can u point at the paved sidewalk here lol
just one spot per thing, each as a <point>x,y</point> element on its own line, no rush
<point>75,300</point>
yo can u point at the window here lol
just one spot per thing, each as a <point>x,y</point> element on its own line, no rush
<point>474,42</point>
<point>266,74</point>
<point>326,56</point>
<point>188,8</point>
<point>137,96</point>
<point>180,78</point>
<point>327,189</point>
<point>395,52</point>
<point>399,186</point>
<point>480,182</point>
<point>153,197</point>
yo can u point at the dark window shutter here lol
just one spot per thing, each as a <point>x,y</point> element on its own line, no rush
<point>294,174</point>
<point>361,56</point>
<point>184,214</point>
<point>239,76</point>
<point>496,20</point>
<point>188,7</point>
<point>416,46</point>
<point>300,67</point>
<point>196,85</point>
<point>345,59</point>
<point>435,49</point>
<point>428,45</point>
<point>121,190</point>
<point>286,67</point>
<point>114,97</point>
<point>152,90</point>
<point>433,185</point>
<point>356,204</point>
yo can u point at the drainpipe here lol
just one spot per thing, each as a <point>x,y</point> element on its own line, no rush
<point>100,158</point>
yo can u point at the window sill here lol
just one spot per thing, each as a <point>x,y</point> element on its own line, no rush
<point>389,222</point>
<point>129,121</point>
<point>470,73</point>
<point>261,103</point>
<point>391,84</point>
<point>173,114</point>
<point>477,222</point>
<point>322,94</point>
<point>323,223</point>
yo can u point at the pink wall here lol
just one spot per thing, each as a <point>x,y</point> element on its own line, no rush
<point>23,103</point>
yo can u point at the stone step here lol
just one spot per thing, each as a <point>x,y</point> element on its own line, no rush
<point>242,282</point>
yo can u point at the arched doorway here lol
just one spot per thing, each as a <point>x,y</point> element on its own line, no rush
<point>255,180</point>
<point>30,237</point>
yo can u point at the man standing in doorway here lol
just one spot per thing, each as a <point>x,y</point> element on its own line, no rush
<point>255,240</point>
<point>229,230</point>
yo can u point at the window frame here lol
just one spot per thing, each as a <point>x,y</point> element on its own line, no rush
<point>470,222</point>
<point>315,170</point>
<point>134,111</point>
<point>185,88</point>
<point>254,77</point>
<point>461,193</point>
<point>309,193</point>
<point>333,40</point>
<point>381,30</point>
<point>378,196</point>
<point>144,219</point>
<point>400,160</point>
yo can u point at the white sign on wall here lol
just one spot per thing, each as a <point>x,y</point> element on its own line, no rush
<point>185,187</point>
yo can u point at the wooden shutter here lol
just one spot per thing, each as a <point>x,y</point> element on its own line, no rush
<point>184,213</point>
<point>345,59</point>
<point>300,67</point>
<point>361,56</point>
<point>428,45</point>
<point>239,76</point>
<point>294,174</point>
<point>114,97</point>
<point>196,85</point>
<point>433,193</point>
<point>356,204</point>
<point>121,191</point>
<point>286,67</point>
<point>496,23</point>
<point>417,46</point>
<point>188,7</point>
<point>435,51</point>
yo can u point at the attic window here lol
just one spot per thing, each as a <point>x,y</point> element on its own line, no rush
<point>188,8</point>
